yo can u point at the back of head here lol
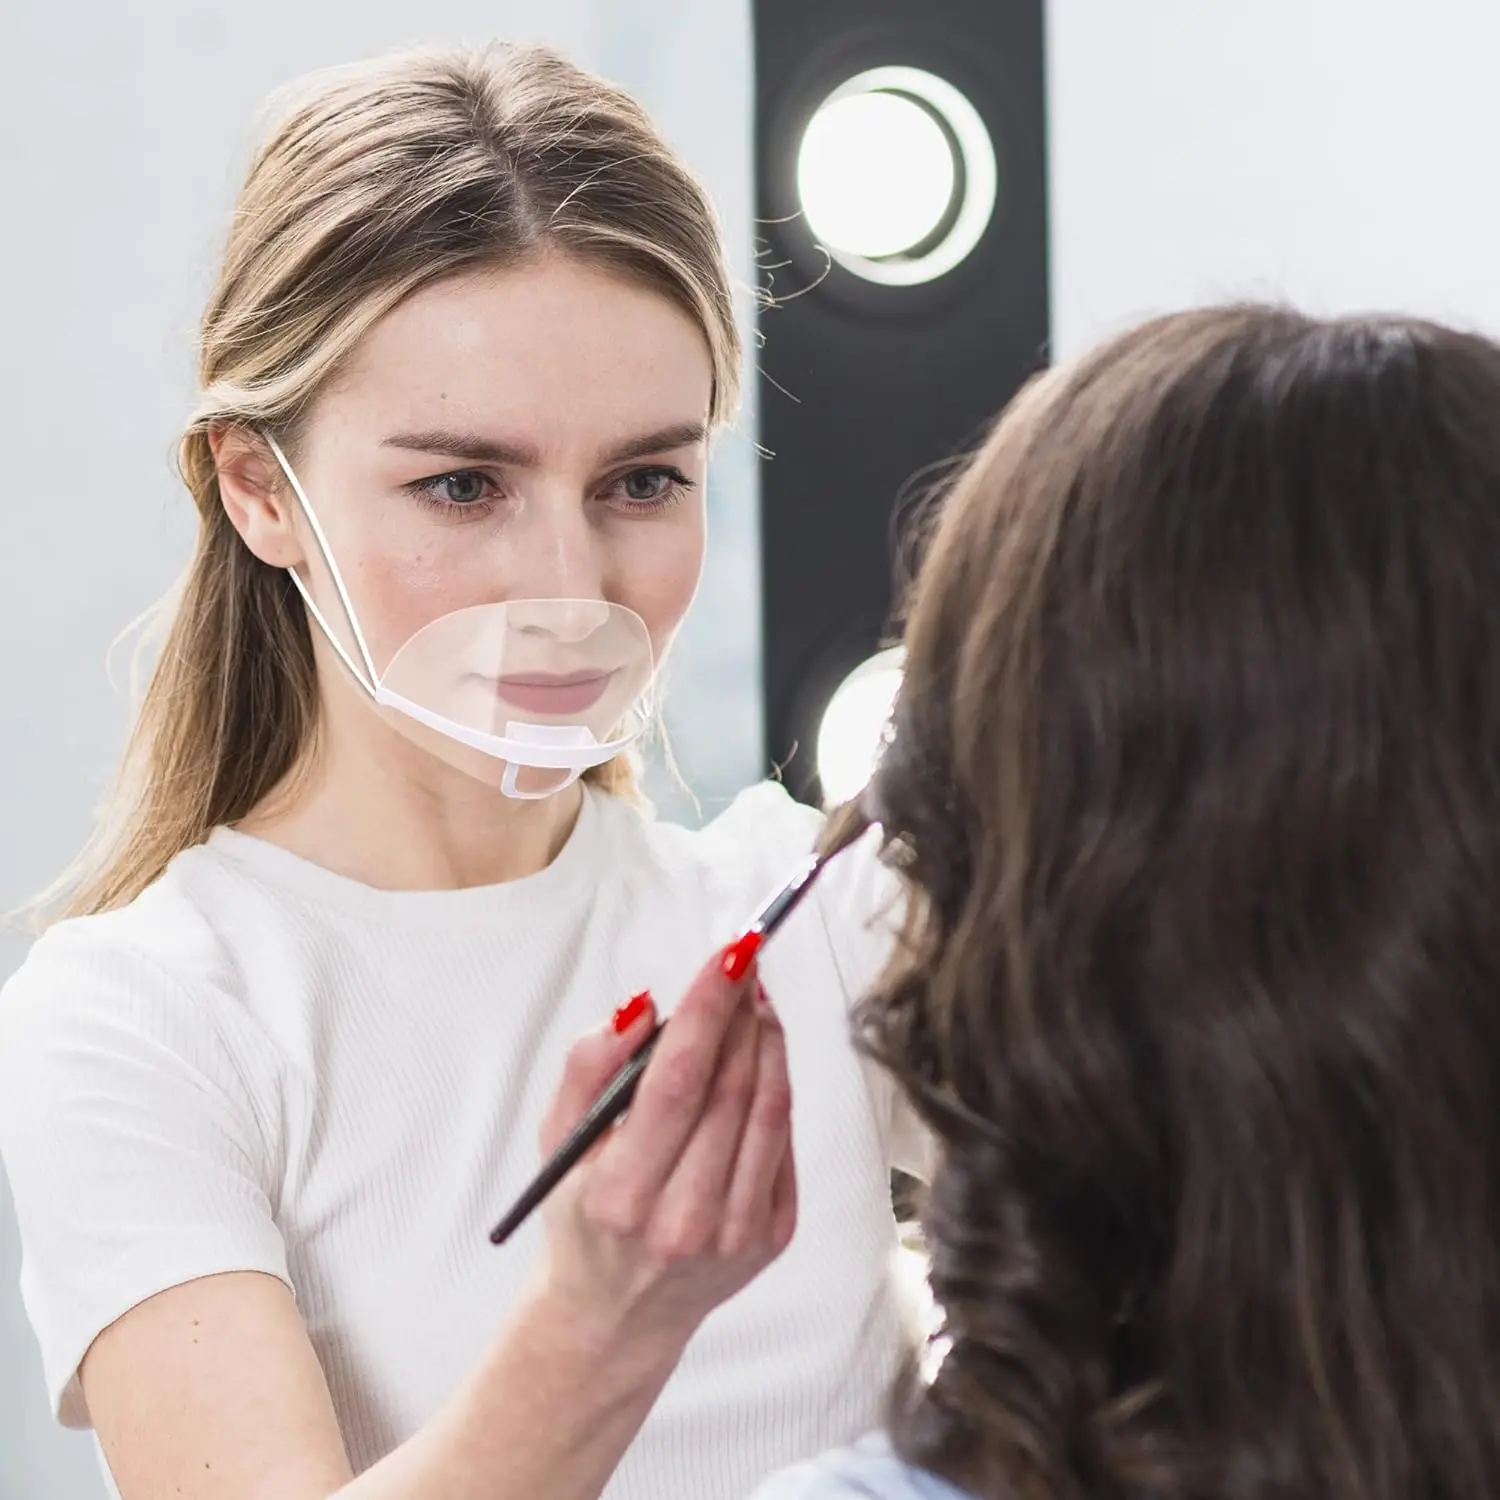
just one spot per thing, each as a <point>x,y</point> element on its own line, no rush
<point>1197,766</point>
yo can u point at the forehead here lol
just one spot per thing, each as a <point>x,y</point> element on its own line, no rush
<point>552,349</point>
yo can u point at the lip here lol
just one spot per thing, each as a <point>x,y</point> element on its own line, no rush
<point>552,693</point>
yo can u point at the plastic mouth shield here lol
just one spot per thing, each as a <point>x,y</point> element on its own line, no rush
<point>526,693</point>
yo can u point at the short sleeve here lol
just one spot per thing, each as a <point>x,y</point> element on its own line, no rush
<point>136,1148</point>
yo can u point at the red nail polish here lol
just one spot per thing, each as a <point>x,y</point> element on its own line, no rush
<point>761,995</point>
<point>739,955</point>
<point>631,1012</point>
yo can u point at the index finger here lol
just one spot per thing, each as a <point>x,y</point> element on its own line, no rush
<point>677,1083</point>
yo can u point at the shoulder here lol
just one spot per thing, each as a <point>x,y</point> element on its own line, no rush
<point>866,1470</point>
<point>153,979</point>
<point>761,835</point>
<point>736,857</point>
<point>763,826</point>
<point>169,937</point>
<point>744,853</point>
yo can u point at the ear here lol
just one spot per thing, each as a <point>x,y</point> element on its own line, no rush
<point>256,496</point>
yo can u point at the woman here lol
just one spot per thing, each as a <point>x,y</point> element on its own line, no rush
<point>1194,779</point>
<point>264,1093</point>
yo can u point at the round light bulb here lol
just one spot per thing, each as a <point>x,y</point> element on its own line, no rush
<point>876,174</point>
<point>897,176</point>
<point>849,735</point>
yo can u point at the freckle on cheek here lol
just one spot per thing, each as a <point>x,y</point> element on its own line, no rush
<point>404,594</point>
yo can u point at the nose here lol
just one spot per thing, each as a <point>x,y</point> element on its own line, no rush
<point>555,553</point>
<point>566,620</point>
<point>555,570</point>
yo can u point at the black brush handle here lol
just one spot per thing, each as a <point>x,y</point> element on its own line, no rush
<point>787,898</point>
<point>602,1113</point>
<point>620,1090</point>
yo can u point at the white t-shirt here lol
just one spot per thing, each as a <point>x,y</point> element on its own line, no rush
<point>261,1065</point>
<point>867,1470</point>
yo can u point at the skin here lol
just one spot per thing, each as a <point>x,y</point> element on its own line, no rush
<point>212,1389</point>
<point>564,360</point>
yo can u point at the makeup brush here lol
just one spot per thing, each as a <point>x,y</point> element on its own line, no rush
<point>843,827</point>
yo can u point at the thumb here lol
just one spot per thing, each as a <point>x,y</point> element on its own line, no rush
<point>593,1060</point>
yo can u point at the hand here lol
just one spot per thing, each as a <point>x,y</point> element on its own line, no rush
<point>694,1192</point>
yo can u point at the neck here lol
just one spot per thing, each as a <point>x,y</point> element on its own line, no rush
<point>372,806</point>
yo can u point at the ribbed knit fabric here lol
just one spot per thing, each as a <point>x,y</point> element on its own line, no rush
<point>260,1065</point>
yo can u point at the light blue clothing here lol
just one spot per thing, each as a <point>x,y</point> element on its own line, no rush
<point>866,1470</point>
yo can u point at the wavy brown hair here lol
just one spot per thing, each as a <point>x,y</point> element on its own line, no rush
<point>1197,773</point>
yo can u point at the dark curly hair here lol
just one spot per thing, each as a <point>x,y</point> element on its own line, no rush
<point>1196,778</point>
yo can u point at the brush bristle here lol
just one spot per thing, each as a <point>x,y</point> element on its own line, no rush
<point>844,825</point>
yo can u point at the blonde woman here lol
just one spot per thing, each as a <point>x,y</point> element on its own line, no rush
<point>316,998</point>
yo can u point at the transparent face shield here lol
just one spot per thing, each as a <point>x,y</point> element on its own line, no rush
<point>526,694</point>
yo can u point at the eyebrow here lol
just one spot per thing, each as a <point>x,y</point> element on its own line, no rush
<point>477,449</point>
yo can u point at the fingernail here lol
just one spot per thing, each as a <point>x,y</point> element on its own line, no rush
<point>631,1012</point>
<point>761,995</point>
<point>739,955</point>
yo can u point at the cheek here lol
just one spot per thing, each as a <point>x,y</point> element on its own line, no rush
<point>660,576</point>
<point>402,588</point>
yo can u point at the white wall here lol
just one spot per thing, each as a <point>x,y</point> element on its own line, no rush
<point>1340,153</point>
<point>1334,151</point>
<point>122,129</point>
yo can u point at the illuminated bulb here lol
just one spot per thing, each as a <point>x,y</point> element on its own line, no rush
<point>853,723</point>
<point>876,174</point>
<point>897,176</point>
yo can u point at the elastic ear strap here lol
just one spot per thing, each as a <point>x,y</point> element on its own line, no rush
<point>333,640</point>
<point>333,568</point>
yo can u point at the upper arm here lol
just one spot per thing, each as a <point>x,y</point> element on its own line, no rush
<point>136,1141</point>
<point>211,1390</point>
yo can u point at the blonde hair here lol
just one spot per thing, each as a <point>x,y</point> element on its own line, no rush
<point>377,179</point>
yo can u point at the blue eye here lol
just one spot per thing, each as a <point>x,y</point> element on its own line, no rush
<point>463,488</point>
<point>652,490</point>
<point>460,490</point>
<point>646,484</point>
